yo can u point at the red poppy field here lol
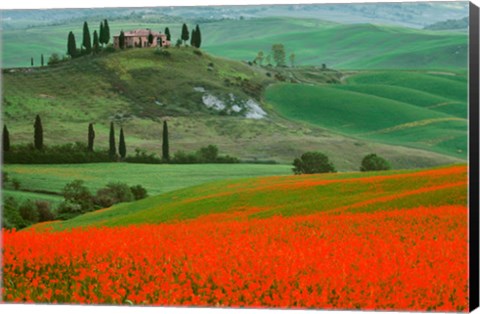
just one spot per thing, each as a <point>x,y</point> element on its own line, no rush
<point>371,254</point>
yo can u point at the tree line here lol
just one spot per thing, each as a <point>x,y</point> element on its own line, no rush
<point>100,39</point>
<point>78,152</point>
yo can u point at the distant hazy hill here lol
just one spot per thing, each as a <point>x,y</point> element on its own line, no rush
<point>449,25</point>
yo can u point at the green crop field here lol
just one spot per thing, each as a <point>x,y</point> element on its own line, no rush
<point>156,179</point>
<point>412,109</point>
<point>290,195</point>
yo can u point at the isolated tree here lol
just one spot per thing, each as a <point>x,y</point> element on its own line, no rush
<point>87,42</point>
<point>279,54</point>
<point>372,162</point>
<point>112,149</point>
<point>150,39</point>
<point>101,34</point>
<point>165,144</point>
<point>106,32</point>
<point>292,60</point>
<point>312,162</point>
<point>198,35</point>
<point>91,137</point>
<point>96,43</point>
<point>167,33</point>
<point>121,40</point>
<point>122,148</point>
<point>6,139</point>
<point>185,34</point>
<point>31,61</point>
<point>38,133</point>
<point>260,57</point>
<point>42,60</point>
<point>71,46</point>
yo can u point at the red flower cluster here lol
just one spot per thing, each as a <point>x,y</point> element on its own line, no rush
<point>412,259</point>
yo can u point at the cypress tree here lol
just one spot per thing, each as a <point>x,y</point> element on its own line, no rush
<point>198,39</point>
<point>167,33</point>
<point>192,39</point>
<point>106,32</point>
<point>72,46</point>
<point>165,146</point>
<point>96,43</point>
<point>185,34</point>
<point>102,33</point>
<point>91,137</point>
<point>42,60</point>
<point>150,39</point>
<point>31,61</point>
<point>121,40</point>
<point>112,151</point>
<point>38,133</point>
<point>122,149</point>
<point>6,139</point>
<point>87,42</point>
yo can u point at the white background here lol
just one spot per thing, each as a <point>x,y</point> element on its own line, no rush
<point>61,309</point>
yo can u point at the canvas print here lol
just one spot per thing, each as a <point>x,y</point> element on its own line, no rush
<point>307,156</point>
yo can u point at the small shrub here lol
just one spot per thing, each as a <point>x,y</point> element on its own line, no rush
<point>11,218</point>
<point>54,59</point>
<point>312,162</point>
<point>76,193</point>
<point>44,212</point>
<point>67,210</point>
<point>29,212</point>
<point>110,48</point>
<point>113,193</point>
<point>139,192</point>
<point>197,52</point>
<point>208,154</point>
<point>372,162</point>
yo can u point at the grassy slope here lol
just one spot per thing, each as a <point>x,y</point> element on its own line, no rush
<point>151,88</point>
<point>413,109</point>
<point>290,195</point>
<point>361,46</point>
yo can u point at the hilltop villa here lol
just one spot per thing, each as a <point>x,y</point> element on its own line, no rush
<point>139,38</point>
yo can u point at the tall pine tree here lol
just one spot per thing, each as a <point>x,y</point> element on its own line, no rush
<point>101,35</point>
<point>91,137</point>
<point>87,41</point>
<point>122,148</point>
<point>71,46</point>
<point>185,34</point>
<point>106,32</point>
<point>6,139</point>
<point>198,35</point>
<point>167,33</point>
<point>112,149</point>
<point>38,133</point>
<point>165,144</point>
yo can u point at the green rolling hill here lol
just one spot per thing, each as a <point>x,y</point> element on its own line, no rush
<point>386,109</point>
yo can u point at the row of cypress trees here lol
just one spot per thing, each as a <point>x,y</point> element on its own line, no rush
<point>195,39</point>
<point>122,148</point>
<point>98,39</point>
